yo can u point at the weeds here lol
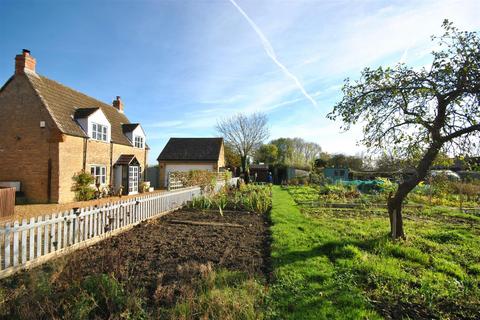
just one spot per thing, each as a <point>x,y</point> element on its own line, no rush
<point>252,198</point>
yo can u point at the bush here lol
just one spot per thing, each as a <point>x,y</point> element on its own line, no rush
<point>203,178</point>
<point>82,186</point>
<point>316,178</point>
<point>441,185</point>
<point>471,190</point>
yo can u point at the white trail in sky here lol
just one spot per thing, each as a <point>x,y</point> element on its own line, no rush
<point>271,53</point>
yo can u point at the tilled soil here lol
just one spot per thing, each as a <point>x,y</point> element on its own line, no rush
<point>161,252</point>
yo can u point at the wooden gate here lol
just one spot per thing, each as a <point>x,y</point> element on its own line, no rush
<point>7,201</point>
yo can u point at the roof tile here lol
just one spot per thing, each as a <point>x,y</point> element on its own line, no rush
<point>63,102</point>
<point>191,149</point>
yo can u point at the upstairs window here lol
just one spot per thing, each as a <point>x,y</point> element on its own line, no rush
<point>99,173</point>
<point>99,132</point>
<point>138,143</point>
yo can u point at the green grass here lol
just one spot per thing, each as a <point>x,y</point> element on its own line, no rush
<point>332,264</point>
<point>307,284</point>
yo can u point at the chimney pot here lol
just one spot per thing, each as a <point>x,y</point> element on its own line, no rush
<point>118,104</point>
<point>24,62</point>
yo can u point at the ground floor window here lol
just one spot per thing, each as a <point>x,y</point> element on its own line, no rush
<point>133,177</point>
<point>99,173</point>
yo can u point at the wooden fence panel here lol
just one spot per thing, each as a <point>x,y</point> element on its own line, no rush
<point>7,202</point>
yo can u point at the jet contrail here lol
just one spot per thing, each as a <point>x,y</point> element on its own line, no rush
<point>271,53</point>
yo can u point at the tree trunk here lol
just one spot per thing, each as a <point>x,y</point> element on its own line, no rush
<point>396,218</point>
<point>395,203</point>
<point>246,176</point>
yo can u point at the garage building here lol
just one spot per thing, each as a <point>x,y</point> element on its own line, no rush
<point>186,154</point>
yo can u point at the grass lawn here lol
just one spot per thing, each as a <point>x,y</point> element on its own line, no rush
<point>341,265</point>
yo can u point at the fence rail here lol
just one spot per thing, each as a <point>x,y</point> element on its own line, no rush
<point>28,243</point>
<point>7,201</point>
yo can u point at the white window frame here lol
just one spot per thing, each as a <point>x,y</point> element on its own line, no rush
<point>99,171</point>
<point>139,142</point>
<point>99,132</point>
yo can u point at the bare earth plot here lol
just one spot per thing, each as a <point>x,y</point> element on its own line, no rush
<point>161,258</point>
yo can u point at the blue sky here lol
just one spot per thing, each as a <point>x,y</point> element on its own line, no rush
<point>181,65</point>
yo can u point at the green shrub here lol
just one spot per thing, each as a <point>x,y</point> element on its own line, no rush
<point>203,178</point>
<point>82,186</point>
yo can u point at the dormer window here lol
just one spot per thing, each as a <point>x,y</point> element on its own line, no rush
<point>99,132</point>
<point>94,123</point>
<point>139,142</point>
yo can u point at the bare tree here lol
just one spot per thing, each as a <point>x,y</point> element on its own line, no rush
<point>244,133</point>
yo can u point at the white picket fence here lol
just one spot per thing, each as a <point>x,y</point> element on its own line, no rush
<point>28,243</point>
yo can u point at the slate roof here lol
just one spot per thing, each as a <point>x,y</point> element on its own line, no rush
<point>63,102</point>
<point>191,149</point>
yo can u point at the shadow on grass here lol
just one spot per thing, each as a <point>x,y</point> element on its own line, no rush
<point>333,250</point>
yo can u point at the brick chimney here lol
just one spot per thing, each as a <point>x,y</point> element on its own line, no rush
<point>24,62</point>
<point>118,104</point>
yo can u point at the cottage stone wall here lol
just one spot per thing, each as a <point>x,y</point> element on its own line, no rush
<point>71,162</point>
<point>27,151</point>
<point>96,153</point>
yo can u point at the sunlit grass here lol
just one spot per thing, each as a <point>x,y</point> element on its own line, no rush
<point>341,265</point>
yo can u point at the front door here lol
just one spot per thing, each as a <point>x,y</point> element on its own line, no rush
<point>133,178</point>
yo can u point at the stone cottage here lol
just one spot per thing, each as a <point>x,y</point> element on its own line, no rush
<point>50,132</point>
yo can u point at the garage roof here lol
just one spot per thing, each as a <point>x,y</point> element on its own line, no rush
<point>191,149</point>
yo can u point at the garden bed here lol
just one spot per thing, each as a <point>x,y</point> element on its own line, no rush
<point>160,258</point>
<point>163,245</point>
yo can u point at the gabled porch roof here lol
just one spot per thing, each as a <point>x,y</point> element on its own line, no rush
<point>127,159</point>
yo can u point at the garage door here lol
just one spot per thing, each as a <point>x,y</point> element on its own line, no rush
<point>185,167</point>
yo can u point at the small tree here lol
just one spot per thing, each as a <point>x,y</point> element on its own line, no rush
<point>232,157</point>
<point>267,153</point>
<point>245,134</point>
<point>418,113</point>
<point>82,186</point>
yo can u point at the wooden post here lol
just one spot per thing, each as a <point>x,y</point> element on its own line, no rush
<point>15,244</point>
<point>7,245</point>
<point>24,241</point>
<point>31,239</point>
